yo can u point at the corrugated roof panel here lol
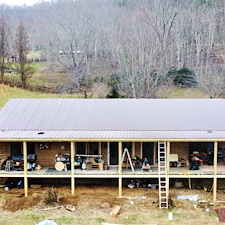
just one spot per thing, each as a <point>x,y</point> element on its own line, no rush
<point>62,114</point>
<point>113,114</point>
<point>113,135</point>
<point>41,110</point>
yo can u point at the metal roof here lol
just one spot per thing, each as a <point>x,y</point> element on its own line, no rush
<point>113,118</point>
<point>112,135</point>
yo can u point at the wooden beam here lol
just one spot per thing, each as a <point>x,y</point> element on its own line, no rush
<point>215,170</point>
<point>189,183</point>
<point>120,167</point>
<point>25,169</point>
<point>133,150</point>
<point>72,154</point>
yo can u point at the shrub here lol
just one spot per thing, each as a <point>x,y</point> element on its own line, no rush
<point>182,77</point>
<point>51,196</point>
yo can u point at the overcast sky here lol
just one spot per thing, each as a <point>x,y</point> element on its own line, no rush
<point>21,2</point>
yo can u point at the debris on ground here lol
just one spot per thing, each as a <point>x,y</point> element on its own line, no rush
<point>204,205</point>
<point>171,204</point>
<point>115,211</point>
<point>51,208</point>
<point>193,198</point>
<point>105,205</point>
<point>221,214</point>
<point>47,222</point>
<point>35,186</point>
<point>70,208</point>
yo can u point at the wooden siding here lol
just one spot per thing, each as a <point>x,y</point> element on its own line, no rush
<point>138,150</point>
<point>4,151</point>
<point>180,148</point>
<point>46,157</point>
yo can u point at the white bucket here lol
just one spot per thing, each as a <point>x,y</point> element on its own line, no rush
<point>170,216</point>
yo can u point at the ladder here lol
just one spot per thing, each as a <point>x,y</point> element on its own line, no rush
<point>163,192</point>
<point>128,156</point>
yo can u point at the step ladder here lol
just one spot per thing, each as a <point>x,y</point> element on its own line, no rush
<point>163,192</point>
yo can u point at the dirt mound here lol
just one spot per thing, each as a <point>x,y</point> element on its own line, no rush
<point>19,203</point>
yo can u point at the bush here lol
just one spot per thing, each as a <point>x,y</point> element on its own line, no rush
<point>51,196</point>
<point>182,77</point>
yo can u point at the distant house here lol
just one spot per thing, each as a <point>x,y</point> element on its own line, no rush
<point>88,138</point>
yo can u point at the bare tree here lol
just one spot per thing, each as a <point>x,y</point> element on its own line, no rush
<point>212,80</point>
<point>22,49</point>
<point>4,32</point>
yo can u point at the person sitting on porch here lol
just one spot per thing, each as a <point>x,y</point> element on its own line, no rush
<point>146,165</point>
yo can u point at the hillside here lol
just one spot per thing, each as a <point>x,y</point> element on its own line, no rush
<point>7,92</point>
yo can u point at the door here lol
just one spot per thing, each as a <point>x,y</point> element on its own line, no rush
<point>148,152</point>
<point>16,148</point>
<point>113,153</point>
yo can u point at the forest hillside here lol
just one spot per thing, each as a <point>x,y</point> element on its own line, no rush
<point>115,48</point>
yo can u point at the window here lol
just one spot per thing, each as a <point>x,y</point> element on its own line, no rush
<point>93,148</point>
<point>80,148</point>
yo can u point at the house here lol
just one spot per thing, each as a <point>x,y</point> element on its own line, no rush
<point>87,138</point>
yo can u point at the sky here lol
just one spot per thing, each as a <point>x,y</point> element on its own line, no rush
<point>20,2</point>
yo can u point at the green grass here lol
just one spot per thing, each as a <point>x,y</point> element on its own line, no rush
<point>132,219</point>
<point>99,220</point>
<point>7,93</point>
<point>34,54</point>
<point>65,220</point>
<point>33,217</point>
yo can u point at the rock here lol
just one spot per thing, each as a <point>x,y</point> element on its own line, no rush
<point>70,208</point>
<point>105,205</point>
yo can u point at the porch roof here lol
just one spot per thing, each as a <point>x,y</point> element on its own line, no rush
<point>112,135</point>
<point>113,119</point>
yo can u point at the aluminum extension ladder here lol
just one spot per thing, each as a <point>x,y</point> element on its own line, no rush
<point>163,190</point>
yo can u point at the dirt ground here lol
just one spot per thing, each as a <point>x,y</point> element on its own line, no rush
<point>94,204</point>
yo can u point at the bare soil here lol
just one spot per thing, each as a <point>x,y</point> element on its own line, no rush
<point>94,204</point>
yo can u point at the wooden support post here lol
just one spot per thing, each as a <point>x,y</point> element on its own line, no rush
<point>189,182</point>
<point>99,148</point>
<point>215,171</point>
<point>25,169</point>
<point>167,166</point>
<point>72,153</point>
<point>133,150</point>
<point>120,168</point>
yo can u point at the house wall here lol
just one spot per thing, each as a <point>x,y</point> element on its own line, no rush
<point>137,151</point>
<point>46,157</point>
<point>4,151</point>
<point>180,148</point>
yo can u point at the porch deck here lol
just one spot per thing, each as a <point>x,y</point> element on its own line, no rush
<point>204,170</point>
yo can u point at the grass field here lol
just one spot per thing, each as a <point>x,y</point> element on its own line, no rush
<point>7,93</point>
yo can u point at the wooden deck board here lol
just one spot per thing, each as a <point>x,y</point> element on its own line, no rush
<point>112,171</point>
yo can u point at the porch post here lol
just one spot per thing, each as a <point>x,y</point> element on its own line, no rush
<point>133,150</point>
<point>120,168</point>
<point>215,170</point>
<point>25,169</point>
<point>72,149</point>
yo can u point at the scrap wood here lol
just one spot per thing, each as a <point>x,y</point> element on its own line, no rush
<point>50,208</point>
<point>115,211</point>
